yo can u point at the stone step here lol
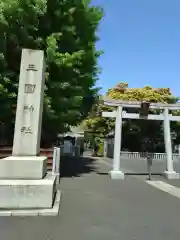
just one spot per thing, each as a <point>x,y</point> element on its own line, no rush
<point>27,193</point>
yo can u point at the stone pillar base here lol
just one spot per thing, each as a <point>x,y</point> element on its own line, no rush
<point>54,211</point>
<point>171,175</point>
<point>23,167</point>
<point>26,188</point>
<point>27,193</point>
<point>116,174</point>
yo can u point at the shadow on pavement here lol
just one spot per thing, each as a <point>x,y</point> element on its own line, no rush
<point>142,174</point>
<point>103,173</point>
<point>75,167</point>
<point>132,174</point>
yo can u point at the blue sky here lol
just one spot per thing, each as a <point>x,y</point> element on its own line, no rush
<point>141,43</point>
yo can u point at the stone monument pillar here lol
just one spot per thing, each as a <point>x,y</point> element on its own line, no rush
<point>27,132</point>
<point>25,186</point>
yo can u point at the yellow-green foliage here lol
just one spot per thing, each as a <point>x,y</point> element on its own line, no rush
<point>121,91</point>
<point>147,93</point>
<point>101,149</point>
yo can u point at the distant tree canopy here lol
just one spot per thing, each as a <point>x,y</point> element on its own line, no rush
<point>134,131</point>
<point>66,31</point>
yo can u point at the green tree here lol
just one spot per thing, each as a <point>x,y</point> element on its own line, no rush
<point>134,131</point>
<point>66,31</point>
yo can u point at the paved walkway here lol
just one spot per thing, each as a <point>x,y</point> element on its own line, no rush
<point>138,169</point>
<point>94,207</point>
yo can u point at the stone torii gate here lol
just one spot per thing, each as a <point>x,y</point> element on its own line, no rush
<point>119,114</point>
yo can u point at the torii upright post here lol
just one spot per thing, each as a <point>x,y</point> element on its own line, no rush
<point>169,173</point>
<point>116,173</point>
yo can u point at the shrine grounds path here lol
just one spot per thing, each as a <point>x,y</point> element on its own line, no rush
<point>93,207</point>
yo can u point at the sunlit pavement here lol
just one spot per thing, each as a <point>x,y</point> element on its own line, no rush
<point>95,207</point>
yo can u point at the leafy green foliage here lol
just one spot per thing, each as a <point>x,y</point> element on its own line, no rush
<point>66,31</point>
<point>134,131</point>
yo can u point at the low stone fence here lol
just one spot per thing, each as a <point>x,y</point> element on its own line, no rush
<point>155,156</point>
<point>109,152</point>
<point>141,155</point>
